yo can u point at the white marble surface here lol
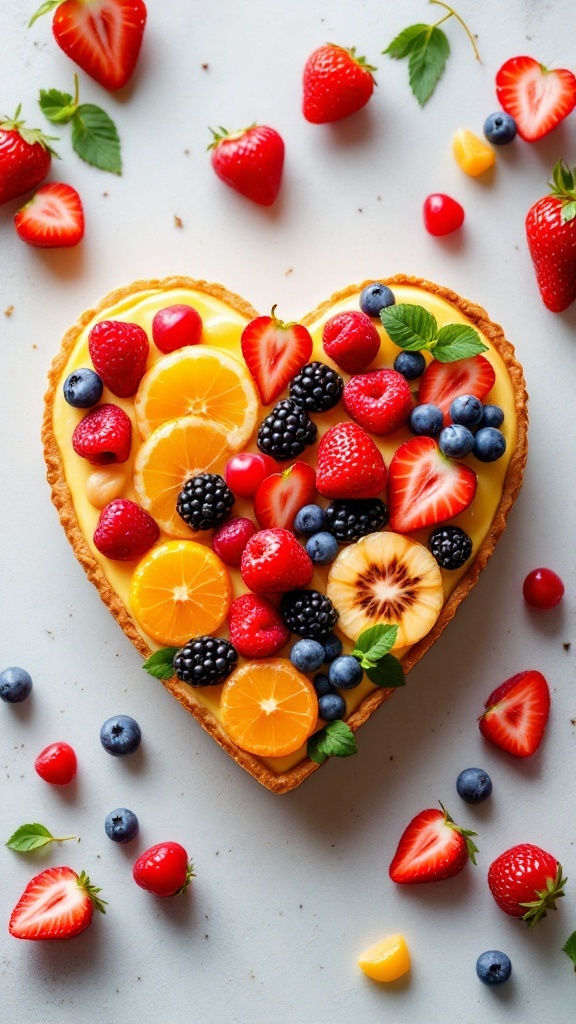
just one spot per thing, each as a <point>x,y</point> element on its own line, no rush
<point>290,889</point>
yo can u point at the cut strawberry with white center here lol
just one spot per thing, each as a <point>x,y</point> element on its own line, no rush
<point>53,218</point>
<point>274,353</point>
<point>281,495</point>
<point>432,847</point>
<point>443,382</point>
<point>537,99</point>
<point>56,904</point>
<point>425,488</point>
<point>517,714</point>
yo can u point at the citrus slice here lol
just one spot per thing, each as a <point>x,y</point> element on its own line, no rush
<point>179,591</point>
<point>386,960</point>
<point>173,453</point>
<point>199,381</point>
<point>269,708</point>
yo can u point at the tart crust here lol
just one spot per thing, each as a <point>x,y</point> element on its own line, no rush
<point>62,499</point>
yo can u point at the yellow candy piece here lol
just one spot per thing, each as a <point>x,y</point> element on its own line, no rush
<point>471,153</point>
<point>386,960</point>
<point>105,484</point>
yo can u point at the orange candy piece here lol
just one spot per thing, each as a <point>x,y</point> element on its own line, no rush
<point>268,708</point>
<point>471,153</point>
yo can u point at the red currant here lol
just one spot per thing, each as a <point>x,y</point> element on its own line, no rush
<point>176,326</point>
<point>56,764</point>
<point>163,869</point>
<point>231,539</point>
<point>543,588</point>
<point>442,214</point>
<point>245,472</point>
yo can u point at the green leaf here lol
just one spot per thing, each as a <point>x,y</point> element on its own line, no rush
<point>160,664</point>
<point>57,106</point>
<point>32,837</point>
<point>406,40</point>
<point>569,948</point>
<point>44,8</point>
<point>388,673</point>
<point>336,739</point>
<point>409,326</point>
<point>426,64</point>
<point>457,341</point>
<point>569,212</point>
<point>374,643</point>
<point>95,138</point>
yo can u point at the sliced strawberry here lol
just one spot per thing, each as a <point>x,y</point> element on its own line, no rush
<point>443,382</point>
<point>56,904</point>
<point>425,488</point>
<point>537,99</point>
<point>53,218</point>
<point>281,495</point>
<point>274,353</point>
<point>432,847</point>
<point>517,713</point>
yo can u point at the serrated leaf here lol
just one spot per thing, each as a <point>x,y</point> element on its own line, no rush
<point>569,948</point>
<point>336,739</point>
<point>57,106</point>
<point>388,673</point>
<point>426,64</point>
<point>29,837</point>
<point>95,138</point>
<point>406,40</point>
<point>374,643</point>
<point>569,212</point>
<point>315,753</point>
<point>409,326</point>
<point>160,664</point>
<point>457,341</point>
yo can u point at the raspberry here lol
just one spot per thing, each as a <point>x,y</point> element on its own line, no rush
<point>380,401</point>
<point>119,352</point>
<point>124,530</point>
<point>256,627</point>
<point>231,539</point>
<point>205,661</point>
<point>309,613</point>
<point>286,431</point>
<point>351,340</point>
<point>204,501</point>
<point>317,387</point>
<point>273,561</point>
<point>103,436</point>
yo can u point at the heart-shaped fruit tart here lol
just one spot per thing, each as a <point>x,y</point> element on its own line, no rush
<point>283,517</point>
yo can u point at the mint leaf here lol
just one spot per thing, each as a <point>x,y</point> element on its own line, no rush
<point>388,672</point>
<point>95,138</point>
<point>44,8</point>
<point>405,41</point>
<point>57,106</point>
<point>409,326</point>
<point>457,341</point>
<point>32,837</point>
<point>374,643</point>
<point>427,62</point>
<point>569,948</point>
<point>160,664</point>
<point>336,739</point>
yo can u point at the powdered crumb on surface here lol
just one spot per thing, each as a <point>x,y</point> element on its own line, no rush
<point>178,223</point>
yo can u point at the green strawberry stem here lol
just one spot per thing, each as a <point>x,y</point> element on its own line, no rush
<point>30,135</point>
<point>466,834</point>
<point>223,133</point>
<point>537,909</point>
<point>452,14</point>
<point>563,187</point>
<point>189,876</point>
<point>92,891</point>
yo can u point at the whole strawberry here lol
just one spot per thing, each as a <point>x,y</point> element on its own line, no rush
<point>25,157</point>
<point>163,870</point>
<point>551,234</point>
<point>337,83</point>
<point>349,464</point>
<point>256,627</point>
<point>119,352</point>
<point>526,881</point>
<point>125,530</point>
<point>273,562</point>
<point>250,161</point>
<point>103,436</point>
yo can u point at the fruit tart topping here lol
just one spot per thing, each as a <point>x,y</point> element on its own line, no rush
<point>250,161</point>
<point>351,340</point>
<point>103,436</point>
<point>345,673</point>
<point>287,431</point>
<point>336,739</point>
<point>414,329</point>
<point>349,464</point>
<point>174,327</point>
<point>322,685</point>
<point>15,685</point>
<point>53,218</point>
<point>103,485</point>
<point>426,488</point>
<point>256,627</point>
<point>442,214</point>
<point>119,352</point>
<point>125,530</point>
<point>543,588</point>
<point>467,410</point>
<point>204,501</point>
<point>492,416</point>
<point>56,764</point>
<point>493,967</point>
<point>231,538</point>
<point>268,708</point>
<point>332,645</point>
<point>309,613</point>
<point>83,388</point>
<point>245,472</point>
<point>307,655</point>
<point>551,234</point>
<point>25,157</point>
<point>410,364</point>
<point>500,129</point>
<point>331,707</point>
<point>372,649</point>
<point>317,387</point>
<point>536,97</point>
<point>322,548</point>
<point>443,382</point>
<point>120,735</point>
<point>273,561</point>
<point>205,661</point>
<point>474,785</point>
<point>349,519</point>
<point>517,713</point>
<point>56,904</point>
<point>426,420</point>
<point>121,825</point>
<point>310,519</point>
<point>387,960</point>
<point>526,881</point>
<point>472,154</point>
<point>163,870</point>
<point>489,444</point>
<point>281,495</point>
<point>432,847</point>
<point>336,84</point>
<point>375,297</point>
<point>456,441</point>
<point>451,546</point>
<point>274,353</point>
<point>380,401</point>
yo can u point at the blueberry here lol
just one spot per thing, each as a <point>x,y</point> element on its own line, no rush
<point>322,685</point>
<point>410,364</point>
<point>489,444</point>
<point>15,685</point>
<point>474,785</point>
<point>375,297</point>
<point>467,410</point>
<point>493,967</point>
<point>310,519</point>
<point>332,647</point>
<point>492,416</point>
<point>307,655</point>
<point>83,388</point>
<point>345,672</point>
<point>120,735</point>
<point>426,420</point>
<point>500,128</point>
<point>121,825</point>
<point>322,548</point>
<point>456,441</point>
<point>331,706</point>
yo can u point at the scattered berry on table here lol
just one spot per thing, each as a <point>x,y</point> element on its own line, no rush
<point>543,588</point>
<point>231,538</point>
<point>25,158</point>
<point>380,401</point>
<point>204,501</point>
<point>15,685</point>
<point>163,870</point>
<point>176,326</point>
<point>256,627</point>
<point>410,364</point>
<point>493,967</point>
<point>282,494</point>
<point>322,548</point>
<point>345,672</point>
<point>245,472</point>
<point>451,546</point>
<point>474,785</point>
<point>120,735</point>
<point>489,444</point>
<point>500,128</point>
<point>376,297</point>
<point>273,561</point>
<point>349,519</point>
<point>467,410</point>
<point>307,655</point>
<point>442,214</point>
<point>53,218</point>
<point>103,436</point>
<point>472,154</point>
<point>308,613</point>
<point>336,84</point>
<point>526,881</point>
<point>322,684</point>
<point>331,706</point>
<point>442,382</point>
<point>83,388</point>
<point>349,464</point>
<point>456,441</point>
<point>274,353</point>
<point>286,431</point>
<point>56,904</point>
<point>432,847</point>
<point>250,161</point>
<point>205,661</point>
<point>121,825</point>
<point>56,764</point>
<point>317,387</point>
<point>551,236</point>
<point>310,519</point>
<point>537,97</point>
<point>516,714</point>
<point>492,416</point>
<point>426,420</point>
<point>425,488</point>
<point>332,647</point>
<point>125,530</point>
<point>351,340</point>
<point>119,352</point>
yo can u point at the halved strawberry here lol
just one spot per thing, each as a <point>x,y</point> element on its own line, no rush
<point>432,847</point>
<point>517,713</point>
<point>53,218</point>
<point>537,98</point>
<point>281,495</point>
<point>274,353</point>
<point>441,383</point>
<point>56,904</point>
<point>425,488</point>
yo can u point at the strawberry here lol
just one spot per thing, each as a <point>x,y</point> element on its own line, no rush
<point>56,904</point>
<point>526,881</point>
<point>441,383</point>
<point>256,627</point>
<point>125,530</point>
<point>517,713</point>
<point>337,83</point>
<point>25,157</point>
<point>349,464</point>
<point>53,218</point>
<point>273,562</point>
<point>551,234</point>
<point>163,870</point>
<point>351,340</point>
<point>102,36</point>
<point>119,352</point>
<point>281,495</point>
<point>274,352</point>
<point>231,538</point>
<point>425,487</point>
<point>250,161</point>
<point>380,401</point>
<point>432,847</point>
<point>103,436</point>
<point>56,764</point>
<point>537,99</point>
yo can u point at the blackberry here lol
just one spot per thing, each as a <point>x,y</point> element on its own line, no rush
<point>205,661</point>
<point>317,387</point>
<point>308,613</point>
<point>349,520</point>
<point>204,501</point>
<point>450,546</point>
<point>286,431</point>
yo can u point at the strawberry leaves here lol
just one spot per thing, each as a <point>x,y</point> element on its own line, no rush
<point>569,948</point>
<point>563,187</point>
<point>160,664</point>
<point>336,739</point>
<point>372,651</point>
<point>94,135</point>
<point>414,329</point>
<point>32,837</point>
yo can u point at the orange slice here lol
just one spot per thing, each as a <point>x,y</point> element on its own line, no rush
<point>269,708</point>
<point>173,453</point>
<point>199,381</point>
<point>179,591</point>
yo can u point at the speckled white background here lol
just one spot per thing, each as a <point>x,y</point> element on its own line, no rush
<point>289,889</point>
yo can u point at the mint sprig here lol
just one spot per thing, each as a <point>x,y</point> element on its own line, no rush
<point>414,329</point>
<point>32,837</point>
<point>160,664</point>
<point>336,739</point>
<point>372,651</point>
<point>94,135</point>
<point>569,948</point>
